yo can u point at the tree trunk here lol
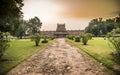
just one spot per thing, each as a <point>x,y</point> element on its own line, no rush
<point>36,43</point>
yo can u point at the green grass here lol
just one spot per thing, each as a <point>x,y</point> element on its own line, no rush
<point>99,49</point>
<point>18,51</point>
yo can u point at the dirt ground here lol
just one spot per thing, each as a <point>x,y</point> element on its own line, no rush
<point>60,58</point>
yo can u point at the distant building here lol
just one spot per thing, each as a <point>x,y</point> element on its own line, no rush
<point>61,32</point>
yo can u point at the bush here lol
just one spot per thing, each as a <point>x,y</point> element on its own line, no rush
<point>44,40</point>
<point>3,43</point>
<point>51,38</point>
<point>89,35</point>
<point>115,41</point>
<point>77,39</point>
<point>36,37</point>
<point>85,39</point>
<point>70,37</point>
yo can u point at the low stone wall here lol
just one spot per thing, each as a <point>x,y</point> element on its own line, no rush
<point>75,32</point>
<point>70,32</point>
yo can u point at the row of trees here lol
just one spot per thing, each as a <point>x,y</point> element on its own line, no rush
<point>99,27</point>
<point>26,27</point>
<point>23,28</point>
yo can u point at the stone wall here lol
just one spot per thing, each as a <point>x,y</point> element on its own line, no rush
<point>48,33</point>
<point>70,32</point>
<point>75,32</point>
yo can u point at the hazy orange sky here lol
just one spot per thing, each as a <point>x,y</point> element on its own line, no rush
<point>76,14</point>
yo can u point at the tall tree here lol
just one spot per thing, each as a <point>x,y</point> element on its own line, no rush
<point>110,25</point>
<point>10,12</point>
<point>20,30</point>
<point>117,20</point>
<point>98,27</point>
<point>34,25</point>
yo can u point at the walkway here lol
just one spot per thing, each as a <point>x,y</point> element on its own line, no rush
<point>60,58</point>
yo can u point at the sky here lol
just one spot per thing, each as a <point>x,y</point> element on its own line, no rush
<point>76,14</point>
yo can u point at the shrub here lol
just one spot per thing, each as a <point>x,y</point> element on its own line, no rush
<point>85,39</point>
<point>109,34</point>
<point>70,37</point>
<point>115,41</point>
<point>36,38</point>
<point>89,35</point>
<point>52,38</point>
<point>3,43</point>
<point>44,40</point>
<point>77,39</point>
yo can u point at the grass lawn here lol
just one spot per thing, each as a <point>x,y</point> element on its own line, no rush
<point>18,51</point>
<point>99,49</point>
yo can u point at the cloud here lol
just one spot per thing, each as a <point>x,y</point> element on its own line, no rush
<point>75,13</point>
<point>89,8</point>
<point>85,8</point>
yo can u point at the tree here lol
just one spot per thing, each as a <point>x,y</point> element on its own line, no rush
<point>36,38</point>
<point>110,25</point>
<point>85,38</point>
<point>93,27</point>
<point>20,29</point>
<point>98,27</point>
<point>117,20</point>
<point>34,25</point>
<point>10,12</point>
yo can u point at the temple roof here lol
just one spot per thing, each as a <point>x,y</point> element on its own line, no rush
<point>61,28</point>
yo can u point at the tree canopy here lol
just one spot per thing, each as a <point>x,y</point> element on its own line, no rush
<point>34,25</point>
<point>10,11</point>
<point>10,14</point>
<point>100,27</point>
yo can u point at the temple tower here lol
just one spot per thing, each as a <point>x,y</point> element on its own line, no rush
<point>61,28</point>
<point>60,31</point>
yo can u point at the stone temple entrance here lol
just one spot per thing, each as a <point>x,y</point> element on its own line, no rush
<point>60,31</point>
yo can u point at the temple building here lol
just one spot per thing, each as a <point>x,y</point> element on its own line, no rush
<point>61,32</point>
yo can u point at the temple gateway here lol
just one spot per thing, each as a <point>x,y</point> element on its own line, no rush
<point>61,32</point>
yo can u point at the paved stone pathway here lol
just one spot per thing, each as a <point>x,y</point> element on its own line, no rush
<point>60,58</point>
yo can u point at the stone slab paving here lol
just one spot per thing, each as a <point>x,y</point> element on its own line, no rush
<point>60,58</point>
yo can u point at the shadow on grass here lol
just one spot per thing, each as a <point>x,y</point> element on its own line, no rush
<point>5,60</point>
